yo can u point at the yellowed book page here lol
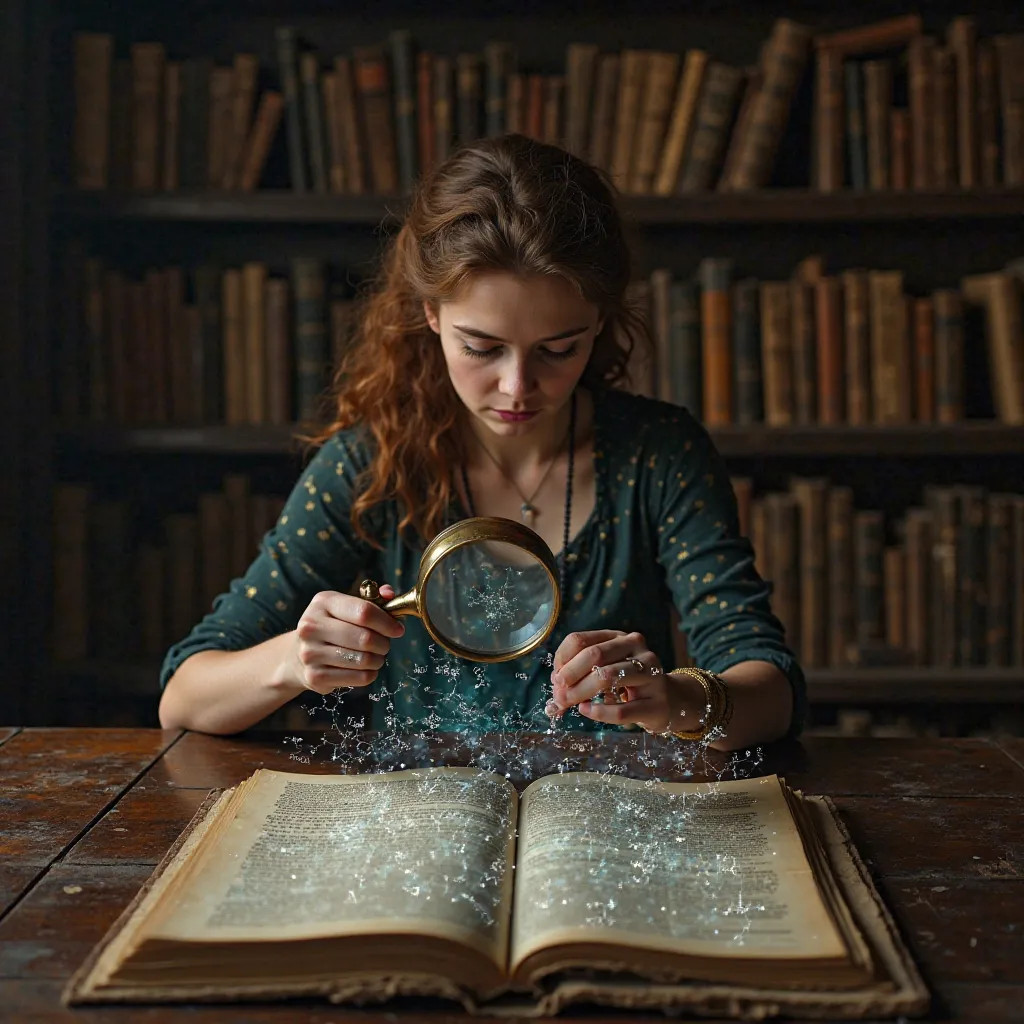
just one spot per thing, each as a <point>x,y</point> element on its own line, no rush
<point>714,869</point>
<point>421,851</point>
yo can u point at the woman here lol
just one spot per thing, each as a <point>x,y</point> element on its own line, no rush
<point>480,383</point>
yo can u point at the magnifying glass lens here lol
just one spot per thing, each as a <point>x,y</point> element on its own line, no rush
<point>490,597</point>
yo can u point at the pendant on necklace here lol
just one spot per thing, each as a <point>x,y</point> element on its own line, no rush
<point>527,511</point>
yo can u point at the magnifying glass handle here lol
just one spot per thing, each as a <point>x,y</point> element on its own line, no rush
<point>403,604</point>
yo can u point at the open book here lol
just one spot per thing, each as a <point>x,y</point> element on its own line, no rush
<point>445,882</point>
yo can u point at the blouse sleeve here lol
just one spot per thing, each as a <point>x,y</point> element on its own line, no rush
<point>709,567</point>
<point>312,547</point>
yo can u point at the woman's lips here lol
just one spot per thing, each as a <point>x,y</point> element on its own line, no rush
<point>515,417</point>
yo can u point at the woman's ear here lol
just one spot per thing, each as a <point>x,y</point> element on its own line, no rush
<point>431,315</point>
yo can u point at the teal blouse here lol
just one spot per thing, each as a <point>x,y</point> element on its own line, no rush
<point>664,529</point>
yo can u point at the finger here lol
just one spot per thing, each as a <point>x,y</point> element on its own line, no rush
<point>617,648</point>
<point>334,656</point>
<point>324,679</point>
<point>387,591</point>
<point>649,712</point>
<point>317,631</point>
<point>574,643</point>
<point>358,612</point>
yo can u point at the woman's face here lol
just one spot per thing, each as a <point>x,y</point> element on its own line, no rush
<point>515,347</point>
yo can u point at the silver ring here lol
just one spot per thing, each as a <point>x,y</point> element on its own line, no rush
<point>352,657</point>
<point>656,670</point>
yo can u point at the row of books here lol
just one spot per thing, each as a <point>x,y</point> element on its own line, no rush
<point>895,108</point>
<point>849,347</point>
<point>659,122</point>
<point>127,588</point>
<point>888,724</point>
<point>168,346</point>
<point>942,585</point>
<point>243,345</point>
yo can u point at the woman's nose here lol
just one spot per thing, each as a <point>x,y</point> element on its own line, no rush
<point>515,380</point>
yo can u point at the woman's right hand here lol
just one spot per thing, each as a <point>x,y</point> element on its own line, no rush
<point>341,640</point>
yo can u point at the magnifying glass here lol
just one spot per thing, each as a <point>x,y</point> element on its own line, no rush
<point>487,590</point>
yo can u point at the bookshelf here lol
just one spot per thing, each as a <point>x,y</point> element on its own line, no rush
<point>935,236</point>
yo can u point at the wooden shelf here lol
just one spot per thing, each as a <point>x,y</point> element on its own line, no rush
<point>778,206</point>
<point>979,437</point>
<point>926,685</point>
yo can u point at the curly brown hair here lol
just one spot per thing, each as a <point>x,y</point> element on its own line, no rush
<point>508,204</point>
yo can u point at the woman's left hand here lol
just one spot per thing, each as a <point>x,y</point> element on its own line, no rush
<point>617,664</point>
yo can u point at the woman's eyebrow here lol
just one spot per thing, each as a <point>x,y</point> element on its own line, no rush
<point>484,336</point>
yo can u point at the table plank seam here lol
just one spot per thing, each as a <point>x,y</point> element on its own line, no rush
<point>59,858</point>
<point>15,729</point>
<point>1013,757</point>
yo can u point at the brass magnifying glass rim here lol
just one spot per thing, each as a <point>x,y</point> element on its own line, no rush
<point>476,530</point>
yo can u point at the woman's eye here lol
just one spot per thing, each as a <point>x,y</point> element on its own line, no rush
<point>566,353</point>
<point>478,353</point>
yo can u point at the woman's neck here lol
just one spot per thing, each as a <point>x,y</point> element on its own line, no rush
<point>536,448</point>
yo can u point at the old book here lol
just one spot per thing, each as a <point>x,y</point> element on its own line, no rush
<point>257,145</point>
<point>254,319</point>
<point>93,66</point>
<point>998,579</point>
<point>661,304</point>
<point>147,114</point>
<point>868,558</point>
<point>554,88</point>
<point>777,353</point>
<point>918,577</point>
<point>351,887</point>
<point>233,347</point>
<point>681,124</point>
<point>218,123</point>
<point>962,39</point>
<point>746,346</point>
<point>804,347</point>
<point>310,345</point>
<point>890,350</point>
<point>246,68</point>
<point>373,87</point>
<point>894,585</point>
<point>444,105</point>
<point>658,93</point>
<point>839,572</point>
<point>712,121</point>
<point>313,123</point>
<point>944,507</point>
<point>355,175</point>
<point>499,63</point>
<point>949,355</point>
<point>403,69</point>
<point>633,72</point>
<point>1000,296</point>
<point>785,57</point>
<point>921,89</point>
<point>279,361</point>
<point>716,353</point>
<point>685,371</point>
<point>923,331</point>
<point>857,347</point>
<point>534,124</point>
<point>288,70</point>
<point>602,120</point>
<point>171,157</point>
<point>425,110</point>
<point>829,126</point>
<point>468,97</point>
<point>1010,71</point>
<point>811,496</point>
<point>783,524</point>
<point>828,314</point>
<point>856,126</point>
<point>879,35</point>
<point>580,75</point>
<point>877,104</point>
<point>971,567</point>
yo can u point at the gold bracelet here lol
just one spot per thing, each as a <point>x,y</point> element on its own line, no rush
<point>718,709</point>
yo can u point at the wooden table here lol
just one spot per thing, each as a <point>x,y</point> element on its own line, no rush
<point>85,814</point>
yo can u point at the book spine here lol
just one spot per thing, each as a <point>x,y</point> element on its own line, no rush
<point>554,88</point>
<point>857,338</point>
<point>246,70</point>
<point>287,62</point>
<point>784,540</point>
<point>405,109</point>
<point>945,634</point>
<point>877,104</point>
<point>856,131</point>
<point>602,124</point>
<point>233,347</point>
<point>828,112</point>
<point>374,90</point>
<point>210,371</point>
<point>868,545</point>
<point>685,350</point>
<point>714,274</point>
<point>949,355</point>
<point>785,58</point>
<point>923,318</point>
<point>812,498</point>
<point>254,306</point>
<point>841,618</point>
<point>309,73</point>
<point>895,597</point>
<point>468,93</point>
<point>195,121</point>
<point>777,353</point>
<point>899,149</point>
<point>355,160</point>
<point>971,565</point>
<point>889,348</point>
<point>499,62</point>
<point>746,336</point>
<point>147,109</point>
<point>920,76</point>
<point>581,70</point>
<point>828,313</point>
<point>218,121</point>
<point>805,371</point>
<point>279,362</point>
<point>999,553</point>
<point>943,117</point>
<point>963,41</point>
<point>177,346</point>
<point>681,124</point>
<point>632,78</point>
<point>257,147</point>
<point>711,127</point>
<point>93,54</point>
<point>659,91</point>
<point>425,111</point>
<point>310,334</point>
<point>918,533</point>
<point>443,108</point>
